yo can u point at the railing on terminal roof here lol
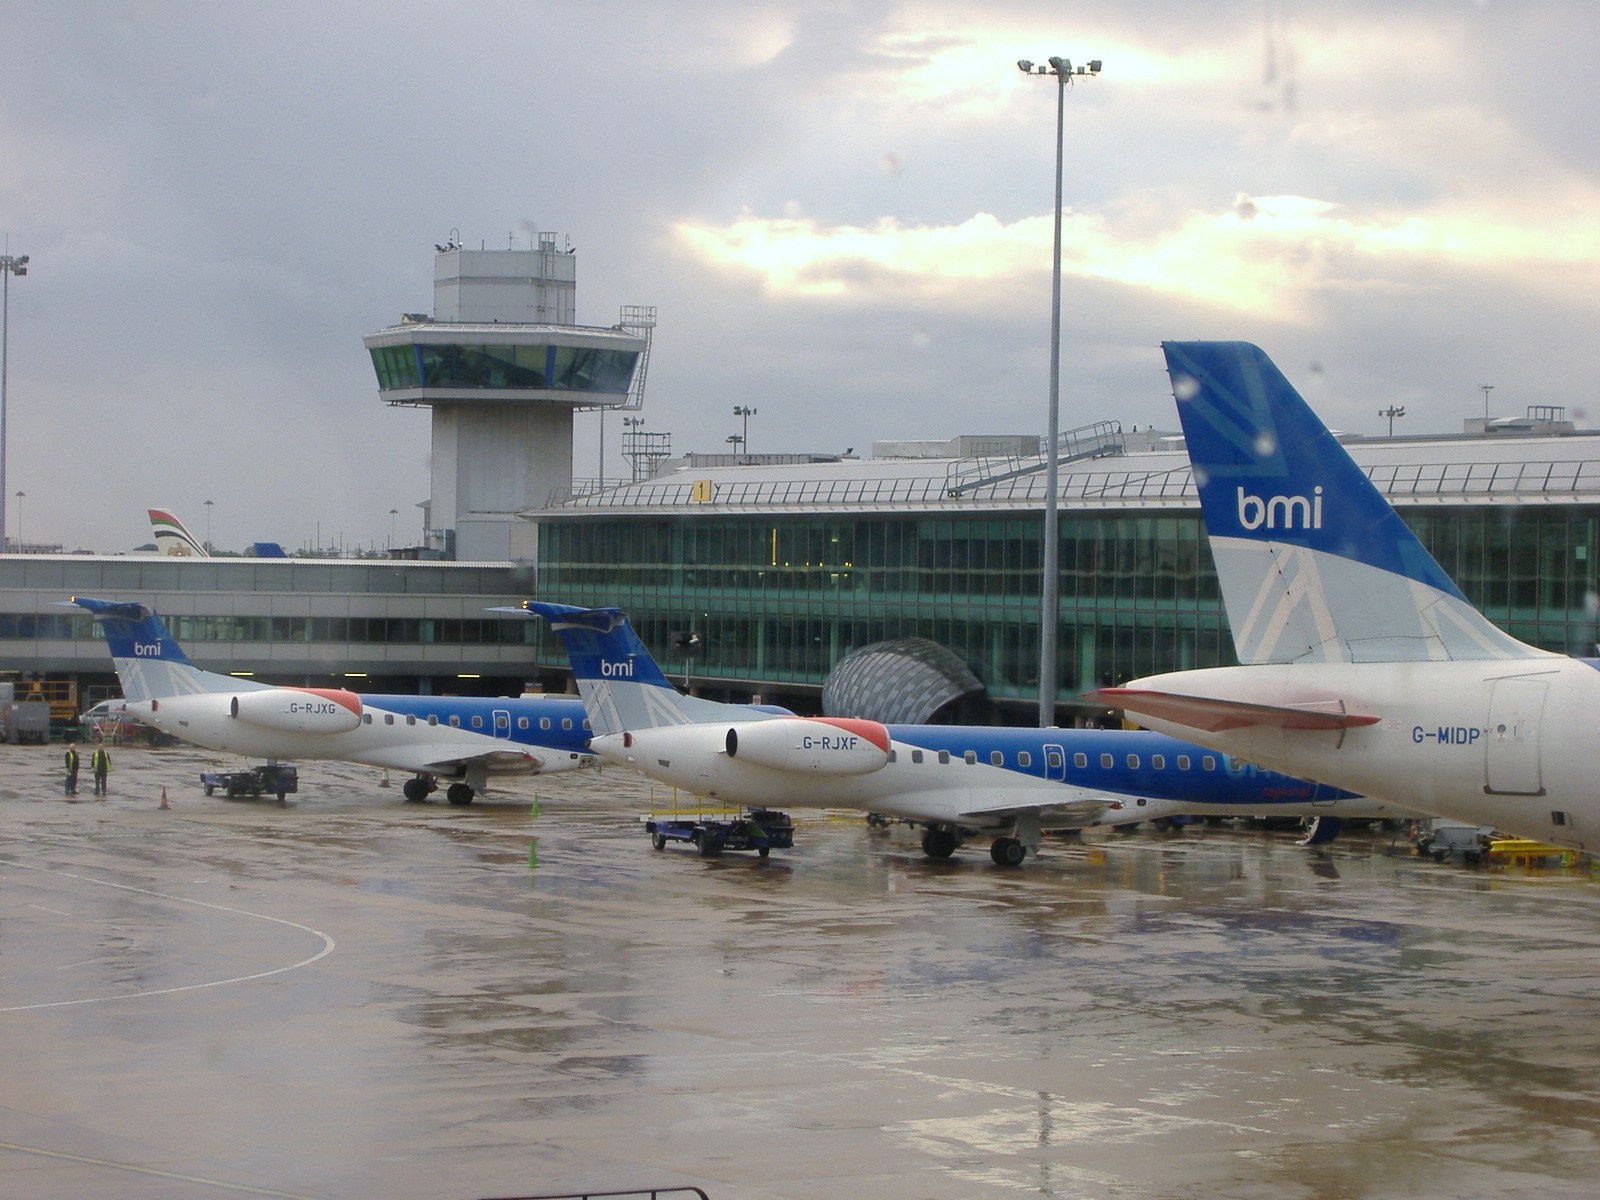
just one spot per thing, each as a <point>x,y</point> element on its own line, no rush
<point>1571,481</point>
<point>1098,440</point>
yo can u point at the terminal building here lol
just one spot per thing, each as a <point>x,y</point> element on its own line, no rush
<point>905,586</point>
<point>761,578</point>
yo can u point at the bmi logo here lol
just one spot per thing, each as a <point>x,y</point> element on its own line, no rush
<point>1281,512</point>
<point>147,649</point>
<point>616,670</point>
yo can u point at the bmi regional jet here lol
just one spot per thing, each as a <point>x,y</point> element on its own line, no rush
<point>458,740</point>
<point>1005,785</point>
<point>1364,666</point>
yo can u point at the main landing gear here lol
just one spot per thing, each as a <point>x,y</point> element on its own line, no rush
<point>1008,852</point>
<point>419,787</point>
<point>939,842</point>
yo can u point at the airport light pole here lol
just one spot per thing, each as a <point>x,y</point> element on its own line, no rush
<point>9,265</point>
<point>1049,605</point>
<point>20,495</point>
<point>745,411</point>
<point>1393,411</point>
<point>736,441</point>
<point>209,504</point>
<point>394,514</point>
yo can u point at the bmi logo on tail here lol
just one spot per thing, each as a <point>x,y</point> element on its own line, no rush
<point>1281,512</point>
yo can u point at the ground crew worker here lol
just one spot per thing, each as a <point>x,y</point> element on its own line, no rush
<point>72,769</point>
<point>100,764</point>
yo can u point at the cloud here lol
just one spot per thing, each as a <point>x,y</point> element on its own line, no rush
<point>1262,256</point>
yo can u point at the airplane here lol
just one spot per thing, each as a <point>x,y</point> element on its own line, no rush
<point>174,539</point>
<point>462,740</point>
<point>1009,785</point>
<point>1362,665</point>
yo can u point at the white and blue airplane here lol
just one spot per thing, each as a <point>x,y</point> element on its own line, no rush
<point>461,740</point>
<point>956,782</point>
<point>1363,666</point>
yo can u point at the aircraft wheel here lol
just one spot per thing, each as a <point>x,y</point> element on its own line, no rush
<point>415,789</point>
<point>1008,852</point>
<point>459,793</point>
<point>939,843</point>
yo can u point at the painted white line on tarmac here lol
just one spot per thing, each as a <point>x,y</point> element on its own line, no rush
<point>155,1171</point>
<point>328,943</point>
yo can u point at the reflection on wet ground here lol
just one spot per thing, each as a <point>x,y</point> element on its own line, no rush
<point>350,996</point>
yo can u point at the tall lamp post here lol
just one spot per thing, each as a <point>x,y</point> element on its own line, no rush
<point>1049,606</point>
<point>209,505</point>
<point>9,266</point>
<point>20,496</point>
<point>745,411</point>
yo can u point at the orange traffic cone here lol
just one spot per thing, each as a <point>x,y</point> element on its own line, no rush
<point>163,803</point>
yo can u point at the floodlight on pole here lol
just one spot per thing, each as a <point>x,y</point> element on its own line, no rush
<point>745,411</point>
<point>1049,605</point>
<point>9,265</point>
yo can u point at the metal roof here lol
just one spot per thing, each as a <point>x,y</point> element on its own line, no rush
<point>1411,472</point>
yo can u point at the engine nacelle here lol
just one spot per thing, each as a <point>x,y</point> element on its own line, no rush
<point>299,710</point>
<point>814,745</point>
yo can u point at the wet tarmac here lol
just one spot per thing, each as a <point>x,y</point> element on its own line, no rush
<point>350,996</point>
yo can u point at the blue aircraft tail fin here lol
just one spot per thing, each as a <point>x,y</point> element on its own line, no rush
<point>1315,565</point>
<point>150,665</point>
<point>622,687</point>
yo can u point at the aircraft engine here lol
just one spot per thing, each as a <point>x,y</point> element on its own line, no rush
<point>299,710</point>
<point>815,745</point>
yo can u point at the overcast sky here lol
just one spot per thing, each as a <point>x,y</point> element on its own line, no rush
<point>841,210</point>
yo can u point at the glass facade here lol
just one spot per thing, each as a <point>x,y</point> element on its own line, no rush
<point>780,599</point>
<point>535,367</point>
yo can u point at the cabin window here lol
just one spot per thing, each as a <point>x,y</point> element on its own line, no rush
<point>1183,762</point>
<point>944,757</point>
<point>477,722</point>
<point>455,722</point>
<point>522,722</point>
<point>388,718</point>
<point>971,756</point>
<point>1080,760</point>
<point>410,719</point>
<point>916,756</point>
<point>586,722</point>
<point>997,758</point>
<point>366,718</point>
<point>1024,759</point>
<point>1106,761</point>
<point>1133,762</point>
<point>544,722</point>
<point>566,722</point>
<point>1158,761</point>
<point>894,756</point>
<point>1208,763</point>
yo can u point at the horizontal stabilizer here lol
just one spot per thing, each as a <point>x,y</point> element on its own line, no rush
<point>1213,715</point>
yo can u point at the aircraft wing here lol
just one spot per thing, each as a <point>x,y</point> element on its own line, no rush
<point>444,758</point>
<point>1063,813</point>
<point>1213,715</point>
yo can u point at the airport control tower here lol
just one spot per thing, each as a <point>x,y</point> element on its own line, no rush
<point>503,365</point>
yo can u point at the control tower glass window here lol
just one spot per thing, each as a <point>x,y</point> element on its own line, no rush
<point>536,368</point>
